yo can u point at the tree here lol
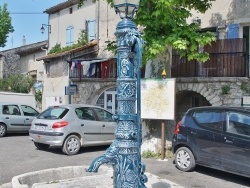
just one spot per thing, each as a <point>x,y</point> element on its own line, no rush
<point>17,83</point>
<point>5,25</point>
<point>164,23</point>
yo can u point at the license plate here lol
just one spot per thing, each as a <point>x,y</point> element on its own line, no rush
<point>40,127</point>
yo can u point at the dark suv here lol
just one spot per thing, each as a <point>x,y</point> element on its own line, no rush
<point>216,137</point>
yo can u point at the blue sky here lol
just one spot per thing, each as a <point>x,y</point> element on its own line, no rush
<point>26,20</point>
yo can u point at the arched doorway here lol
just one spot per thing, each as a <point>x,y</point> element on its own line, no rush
<point>108,100</point>
<point>186,100</point>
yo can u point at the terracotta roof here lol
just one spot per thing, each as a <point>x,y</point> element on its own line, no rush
<point>61,6</point>
<point>55,55</point>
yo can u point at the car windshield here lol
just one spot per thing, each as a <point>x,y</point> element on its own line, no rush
<point>53,113</point>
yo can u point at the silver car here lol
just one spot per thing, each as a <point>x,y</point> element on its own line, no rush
<point>16,117</point>
<point>73,126</point>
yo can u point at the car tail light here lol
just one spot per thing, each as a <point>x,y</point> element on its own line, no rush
<point>60,124</point>
<point>177,128</point>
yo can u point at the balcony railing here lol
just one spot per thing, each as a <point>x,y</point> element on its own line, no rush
<point>102,69</point>
<point>227,58</point>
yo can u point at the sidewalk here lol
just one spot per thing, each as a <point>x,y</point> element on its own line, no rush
<point>77,177</point>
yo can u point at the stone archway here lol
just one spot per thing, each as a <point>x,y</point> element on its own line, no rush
<point>190,95</point>
<point>211,96</point>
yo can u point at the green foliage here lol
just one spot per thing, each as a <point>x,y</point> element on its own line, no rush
<point>225,90</point>
<point>55,49</point>
<point>81,41</point>
<point>164,23</point>
<point>244,87</point>
<point>16,83</point>
<point>5,25</point>
<point>150,154</point>
<point>38,96</point>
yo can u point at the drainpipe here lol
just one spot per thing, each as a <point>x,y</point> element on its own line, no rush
<point>98,24</point>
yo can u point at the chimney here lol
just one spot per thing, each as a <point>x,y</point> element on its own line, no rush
<point>24,41</point>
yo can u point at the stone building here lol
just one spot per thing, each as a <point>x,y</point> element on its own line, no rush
<point>92,70</point>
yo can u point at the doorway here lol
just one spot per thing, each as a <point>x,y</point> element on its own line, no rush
<point>108,100</point>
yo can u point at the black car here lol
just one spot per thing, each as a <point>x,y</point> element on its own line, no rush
<point>216,137</point>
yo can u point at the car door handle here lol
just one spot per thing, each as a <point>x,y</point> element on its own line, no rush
<point>103,125</point>
<point>192,132</point>
<point>228,141</point>
<point>7,118</point>
<point>82,125</point>
<point>27,119</point>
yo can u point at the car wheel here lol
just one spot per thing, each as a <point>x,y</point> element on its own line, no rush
<point>184,159</point>
<point>2,130</point>
<point>41,146</point>
<point>71,145</point>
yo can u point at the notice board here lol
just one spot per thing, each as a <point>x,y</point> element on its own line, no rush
<point>158,99</point>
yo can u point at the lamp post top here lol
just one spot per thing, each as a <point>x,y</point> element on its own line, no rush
<point>126,8</point>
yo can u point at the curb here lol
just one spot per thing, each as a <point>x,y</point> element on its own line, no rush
<point>52,175</point>
<point>77,177</point>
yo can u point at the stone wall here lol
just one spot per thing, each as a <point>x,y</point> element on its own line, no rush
<point>209,89</point>
<point>10,63</point>
<point>89,90</point>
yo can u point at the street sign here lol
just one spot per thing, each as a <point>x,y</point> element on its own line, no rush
<point>70,90</point>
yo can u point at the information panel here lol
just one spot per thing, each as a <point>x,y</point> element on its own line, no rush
<point>158,99</point>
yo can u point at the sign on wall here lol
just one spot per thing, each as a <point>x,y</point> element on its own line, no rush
<point>70,90</point>
<point>246,101</point>
<point>158,99</point>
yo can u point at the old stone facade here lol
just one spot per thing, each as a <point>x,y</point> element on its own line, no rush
<point>89,90</point>
<point>9,63</point>
<point>209,92</point>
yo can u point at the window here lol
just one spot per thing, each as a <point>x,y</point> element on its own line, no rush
<point>70,10</point>
<point>238,123</point>
<point>11,110</point>
<point>29,111</point>
<point>70,34</point>
<point>209,118</point>
<point>53,113</point>
<point>90,25</point>
<point>233,31</point>
<point>85,113</point>
<point>103,115</point>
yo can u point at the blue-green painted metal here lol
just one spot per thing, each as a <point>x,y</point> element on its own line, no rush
<point>124,154</point>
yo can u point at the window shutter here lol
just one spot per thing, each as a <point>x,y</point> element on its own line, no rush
<point>91,29</point>
<point>233,31</point>
<point>69,31</point>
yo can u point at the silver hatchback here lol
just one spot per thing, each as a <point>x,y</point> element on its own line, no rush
<point>16,117</point>
<point>73,126</point>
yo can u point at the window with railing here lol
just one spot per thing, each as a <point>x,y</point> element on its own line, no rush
<point>89,69</point>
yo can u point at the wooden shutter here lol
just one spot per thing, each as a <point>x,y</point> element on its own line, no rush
<point>91,29</point>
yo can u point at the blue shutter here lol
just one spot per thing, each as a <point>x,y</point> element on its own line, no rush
<point>233,31</point>
<point>91,29</point>
<point>70,32</point>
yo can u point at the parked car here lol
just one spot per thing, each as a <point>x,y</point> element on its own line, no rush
<point>73,126</point>
<point>216,137</point>
<point>16,117</point>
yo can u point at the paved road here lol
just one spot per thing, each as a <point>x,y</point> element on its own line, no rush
<point>18,155</point>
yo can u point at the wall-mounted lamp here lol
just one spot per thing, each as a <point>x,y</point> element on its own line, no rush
<point>197,20</point>
<point>43,29</point>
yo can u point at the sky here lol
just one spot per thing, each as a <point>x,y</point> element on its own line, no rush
<point>27,18</point>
